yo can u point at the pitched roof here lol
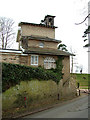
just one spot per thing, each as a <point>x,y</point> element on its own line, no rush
<point>43,51</point>
<point>40,38</point>
<point>49,16</point>
<point>34,24</point>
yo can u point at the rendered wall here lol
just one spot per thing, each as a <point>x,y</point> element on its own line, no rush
<point>28,30</point>
<point>36,43</point>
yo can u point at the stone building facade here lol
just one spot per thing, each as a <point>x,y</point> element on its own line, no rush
<point>38,47</point>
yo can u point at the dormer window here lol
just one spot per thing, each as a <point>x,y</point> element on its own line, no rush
<point>41,45</point>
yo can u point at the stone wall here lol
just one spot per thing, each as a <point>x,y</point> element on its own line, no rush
<point>23,60</point>
<point>39,94</point>
<point>10,58</point>
<point>67,88</point>
<point>66,67</point>
<point>28,30</point>
<point>66,64</point>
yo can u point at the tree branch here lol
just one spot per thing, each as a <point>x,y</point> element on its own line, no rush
<point>83,20</point>
<point>7,32</point>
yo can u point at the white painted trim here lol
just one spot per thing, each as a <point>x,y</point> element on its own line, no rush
<point>10,51</point>
<point>24,54</point>
<point>8,54</point>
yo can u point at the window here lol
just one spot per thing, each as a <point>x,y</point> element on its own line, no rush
<point>34,60</point>
<point>49,63</point>
<point>41,45</point>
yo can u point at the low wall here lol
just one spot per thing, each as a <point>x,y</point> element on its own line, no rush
<point>38,94</point>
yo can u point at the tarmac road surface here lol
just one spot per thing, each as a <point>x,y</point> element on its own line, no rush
<point>73,109</point>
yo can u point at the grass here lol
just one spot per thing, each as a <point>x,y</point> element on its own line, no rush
<point>83,87</point>
<point>83,80</point>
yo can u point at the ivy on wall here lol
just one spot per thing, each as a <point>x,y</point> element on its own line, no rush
<point>58,70</point>
<point>13,74</point>
<point>59,67</point>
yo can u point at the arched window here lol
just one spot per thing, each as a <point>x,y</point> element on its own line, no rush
<point>49,62</point>
<point>41,45</point>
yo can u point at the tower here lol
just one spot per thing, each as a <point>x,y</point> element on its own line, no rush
<point>49,20</point>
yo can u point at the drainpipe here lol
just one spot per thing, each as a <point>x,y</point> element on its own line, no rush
<point>23,50</point>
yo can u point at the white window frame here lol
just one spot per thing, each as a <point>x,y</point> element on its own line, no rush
<point>34,59</point>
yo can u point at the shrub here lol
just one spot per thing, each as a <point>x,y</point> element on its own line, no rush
<point>13,74</point>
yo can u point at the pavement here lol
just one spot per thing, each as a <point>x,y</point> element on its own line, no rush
<point>82,94</point>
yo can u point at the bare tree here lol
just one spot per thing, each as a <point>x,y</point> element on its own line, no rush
<point>7,32</point>
<point>73,59</point>
<point>87,31</point>
<point>83,20</point>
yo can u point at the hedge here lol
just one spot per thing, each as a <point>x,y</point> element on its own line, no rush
<point>13,74</point>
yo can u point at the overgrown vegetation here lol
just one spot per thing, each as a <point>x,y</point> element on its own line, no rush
<point>59,67</point>
<point>13,74</point>
<point>37,93</point>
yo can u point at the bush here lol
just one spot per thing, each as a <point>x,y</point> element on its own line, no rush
<point>13,74</point>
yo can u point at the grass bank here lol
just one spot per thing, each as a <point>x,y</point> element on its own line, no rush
<point>82,79</point>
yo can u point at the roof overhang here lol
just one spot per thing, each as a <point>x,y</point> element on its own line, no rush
<point>39,25</point>
<point>41,38</point>
<point>42,51</point>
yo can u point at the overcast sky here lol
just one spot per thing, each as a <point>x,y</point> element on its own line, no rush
<point>67,12</point>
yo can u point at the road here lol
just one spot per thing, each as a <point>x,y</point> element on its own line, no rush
<point>77,108</point>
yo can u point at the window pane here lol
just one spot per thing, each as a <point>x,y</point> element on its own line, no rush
<point>36,60</point>
<point>41,45</point>
<point>32,59</point>
<point>49,63</point>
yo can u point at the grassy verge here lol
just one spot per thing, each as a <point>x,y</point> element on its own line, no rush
<point>83,80</point>
<point>84,87</point>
